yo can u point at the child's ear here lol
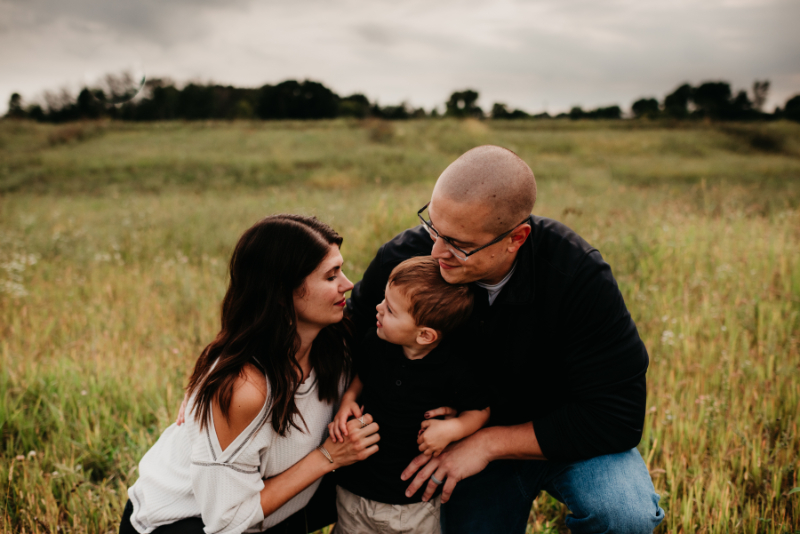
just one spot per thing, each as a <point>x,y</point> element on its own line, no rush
<point>426,336</point>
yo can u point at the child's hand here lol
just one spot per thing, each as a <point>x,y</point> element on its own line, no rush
<point>444,411</point>
<point>435,435</point>
<point>338,428</point>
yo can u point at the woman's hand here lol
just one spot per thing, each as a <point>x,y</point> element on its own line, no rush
<point>338,428</point>
<point>358,444</point>
<point>435,435</point>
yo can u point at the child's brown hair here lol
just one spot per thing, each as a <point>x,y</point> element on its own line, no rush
<point>434,303</point>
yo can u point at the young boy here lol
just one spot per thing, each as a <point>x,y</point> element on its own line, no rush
<point>405,370</point>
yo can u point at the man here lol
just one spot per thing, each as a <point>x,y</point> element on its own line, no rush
<point>559,349</point>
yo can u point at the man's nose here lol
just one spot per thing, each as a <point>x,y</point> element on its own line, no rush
<point>439,249</point>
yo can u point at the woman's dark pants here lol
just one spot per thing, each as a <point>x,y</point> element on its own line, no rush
<point>320,512</point>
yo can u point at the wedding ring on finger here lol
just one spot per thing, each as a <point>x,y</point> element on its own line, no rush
<point>361,420</point>
<point>436,480</point>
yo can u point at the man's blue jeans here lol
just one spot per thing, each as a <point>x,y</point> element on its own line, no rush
<point>611,493</point>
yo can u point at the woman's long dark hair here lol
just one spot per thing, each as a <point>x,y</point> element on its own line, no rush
<point>259,325</point>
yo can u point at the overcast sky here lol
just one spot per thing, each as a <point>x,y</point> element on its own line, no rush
<point>536,55</point>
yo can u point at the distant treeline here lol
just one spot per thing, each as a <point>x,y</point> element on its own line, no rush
<point>160,99</point>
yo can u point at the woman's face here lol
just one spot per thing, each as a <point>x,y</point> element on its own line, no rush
<point>320,300</point>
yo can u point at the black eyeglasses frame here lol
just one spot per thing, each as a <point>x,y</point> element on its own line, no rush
<point>459,249</point>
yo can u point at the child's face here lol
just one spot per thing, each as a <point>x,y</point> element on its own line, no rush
<point>395,323</point>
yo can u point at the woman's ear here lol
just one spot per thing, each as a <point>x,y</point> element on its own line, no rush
<point>426,336</point>
<point>298,298</point>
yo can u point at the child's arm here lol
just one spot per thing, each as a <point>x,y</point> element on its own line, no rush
<point>435,435</point>
<point>349,406</point>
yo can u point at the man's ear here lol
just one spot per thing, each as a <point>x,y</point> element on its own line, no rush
<point>518,237</point>
<point>426,336</point>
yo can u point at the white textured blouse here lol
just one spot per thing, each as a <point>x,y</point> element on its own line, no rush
<point>187,474</point>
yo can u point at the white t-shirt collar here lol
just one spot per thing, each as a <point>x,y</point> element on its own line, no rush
<point>494,290</point>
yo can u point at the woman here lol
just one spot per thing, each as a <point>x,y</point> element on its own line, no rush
<point>261,394</point>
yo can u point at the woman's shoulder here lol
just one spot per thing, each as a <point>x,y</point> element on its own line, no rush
<point>247,401</point>
<point>251,387</point>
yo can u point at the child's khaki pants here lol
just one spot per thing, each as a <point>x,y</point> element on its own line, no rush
<point>358,515</point>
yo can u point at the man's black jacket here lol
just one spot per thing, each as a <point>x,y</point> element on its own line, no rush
<point>558,345</point>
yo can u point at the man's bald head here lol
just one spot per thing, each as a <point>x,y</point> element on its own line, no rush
<point>494,178</point>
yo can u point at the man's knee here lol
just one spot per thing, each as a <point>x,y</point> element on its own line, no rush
<point>618,516</point>
<point>632,517</point>
<point>610,493</point>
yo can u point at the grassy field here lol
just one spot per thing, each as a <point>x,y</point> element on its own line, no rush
<point>114,240</point>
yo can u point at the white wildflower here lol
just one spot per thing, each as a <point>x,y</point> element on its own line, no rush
<point>668,337</point>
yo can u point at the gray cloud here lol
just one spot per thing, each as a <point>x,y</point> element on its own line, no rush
<point>164,22</point>
<point>549,53</point>
<point>376,35</point>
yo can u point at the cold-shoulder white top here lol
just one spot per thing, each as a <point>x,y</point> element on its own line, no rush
<point>187,474</point>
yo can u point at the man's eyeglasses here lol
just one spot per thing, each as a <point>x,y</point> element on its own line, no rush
<point>459,252</point>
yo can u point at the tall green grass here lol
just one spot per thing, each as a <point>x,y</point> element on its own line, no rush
<point>114,242</point>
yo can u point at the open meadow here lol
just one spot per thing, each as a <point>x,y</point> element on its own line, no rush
<point>114,242</point>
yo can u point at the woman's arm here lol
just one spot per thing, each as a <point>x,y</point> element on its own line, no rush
<point>248,498</point>
<point>359,444</point>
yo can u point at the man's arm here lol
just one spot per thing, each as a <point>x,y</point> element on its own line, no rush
<point>516,442</point>
<point>607,365</point>
<point>608,362</point>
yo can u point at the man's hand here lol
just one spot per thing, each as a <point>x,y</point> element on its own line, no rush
<point>459,460</point>
<point>182,411</point>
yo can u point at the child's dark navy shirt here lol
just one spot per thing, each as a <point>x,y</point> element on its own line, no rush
<point>397,392</point>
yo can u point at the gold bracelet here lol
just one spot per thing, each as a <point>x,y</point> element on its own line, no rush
<point>326,454</point>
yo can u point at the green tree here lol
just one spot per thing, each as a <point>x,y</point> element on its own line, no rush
<point>760,91</point>
<point>356,105</point>
<point>676,104</point>
<point>462,104</point>
<point>792,109</point>
<point>577,113</point>
<point>712,99</point>
<point>243,109</point>
<point>36,113</point>
<point>740,107</point>
<point>88,106</point>
<point>15,110</point>
<point>608,112</point>
<point>500,111</point>
<point>646,107</point>
<point>295,100</point>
